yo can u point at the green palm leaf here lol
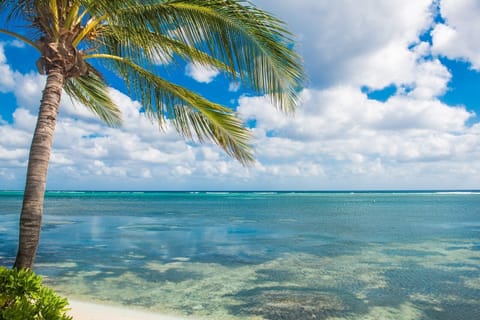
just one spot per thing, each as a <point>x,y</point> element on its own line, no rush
<point>192,115</point>
<point>254,45</point>
<point>91,91</point>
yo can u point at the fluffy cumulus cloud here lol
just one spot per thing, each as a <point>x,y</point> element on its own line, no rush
<point>342,139</point>
<point>364,41</point>
<point>200,73</point>
<point>7,81</point>
<point>338,139</point>
<point>457,37</point>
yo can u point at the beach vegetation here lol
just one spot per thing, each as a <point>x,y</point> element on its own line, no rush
<point>78,41</point>
<point>23,296</point>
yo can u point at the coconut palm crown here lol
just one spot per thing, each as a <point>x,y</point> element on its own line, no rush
<point>77,39</point>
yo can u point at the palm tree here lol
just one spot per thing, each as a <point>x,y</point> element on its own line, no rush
<point>78,38</point>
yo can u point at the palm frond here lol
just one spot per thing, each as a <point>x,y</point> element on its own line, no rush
<point>20,37</point>
<point>248,40</point>
<point>91,91</point>
<point>17,9</point>
<point>147,47</point>
<point>224,129</point>
<point>193,116</point>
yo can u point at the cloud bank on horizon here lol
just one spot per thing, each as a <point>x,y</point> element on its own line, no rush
<point>372,116</point>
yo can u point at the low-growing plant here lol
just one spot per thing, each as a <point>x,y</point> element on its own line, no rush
<point>24,297</point>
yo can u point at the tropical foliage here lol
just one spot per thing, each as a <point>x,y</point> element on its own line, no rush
<point>79,39</point>
<point>23,296</point>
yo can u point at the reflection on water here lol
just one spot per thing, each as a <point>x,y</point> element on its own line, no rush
<point>266,256</point>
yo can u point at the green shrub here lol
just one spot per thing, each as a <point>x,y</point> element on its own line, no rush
<point>23,297</point>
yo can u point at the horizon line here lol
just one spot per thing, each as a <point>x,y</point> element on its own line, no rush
<point>252,190</point>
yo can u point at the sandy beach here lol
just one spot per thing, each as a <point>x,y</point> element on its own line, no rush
<point>91,311</point>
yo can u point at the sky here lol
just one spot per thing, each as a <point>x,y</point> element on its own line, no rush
<point>392,103</point>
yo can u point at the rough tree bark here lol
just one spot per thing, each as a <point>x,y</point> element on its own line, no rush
<point>32,209</point>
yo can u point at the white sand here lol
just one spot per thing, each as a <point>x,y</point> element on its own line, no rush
<point>92,311</point>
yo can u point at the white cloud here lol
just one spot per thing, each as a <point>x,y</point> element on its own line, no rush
<point>28,90</point>
<point>233,86</point>
<point>341,40</point>
<point>24,120</point>
<point>346,138</point>
<point>7,81</point>
<point>200,73</point>
<point>431,79</point>
<point>3,59</point>
<point>393,63</point>
<point>456,38</point>
<point>17,43</point>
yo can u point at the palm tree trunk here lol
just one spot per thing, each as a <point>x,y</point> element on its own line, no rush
<point>32,209</point>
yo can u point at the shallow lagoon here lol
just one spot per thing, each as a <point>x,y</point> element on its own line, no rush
<point>369,255</point>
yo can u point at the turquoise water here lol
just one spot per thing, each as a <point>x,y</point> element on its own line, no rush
<point>254,255</point>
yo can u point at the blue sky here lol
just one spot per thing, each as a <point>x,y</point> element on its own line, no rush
<point>392,103</point>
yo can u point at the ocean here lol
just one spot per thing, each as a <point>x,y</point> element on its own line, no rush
<point>262,255</point>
